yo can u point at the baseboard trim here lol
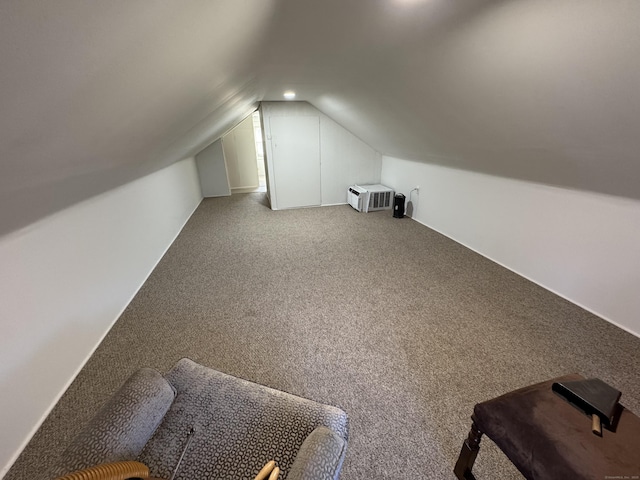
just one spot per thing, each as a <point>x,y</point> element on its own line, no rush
<point>33,431</point>
<point>584,307</point>
<point>245,189</point>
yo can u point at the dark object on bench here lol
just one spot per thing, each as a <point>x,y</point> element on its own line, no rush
<point>593,397</point>
<point>547,438</point>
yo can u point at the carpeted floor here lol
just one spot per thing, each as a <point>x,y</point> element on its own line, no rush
<point>398,325</point>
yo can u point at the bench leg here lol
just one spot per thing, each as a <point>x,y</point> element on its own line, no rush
<point>468,454</point>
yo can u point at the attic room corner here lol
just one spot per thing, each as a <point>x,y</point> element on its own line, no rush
<point>182,174</point>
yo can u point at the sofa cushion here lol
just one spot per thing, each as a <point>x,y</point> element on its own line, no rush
<point>239,426</point>
<point>123,426</point>
<point>320,456</point>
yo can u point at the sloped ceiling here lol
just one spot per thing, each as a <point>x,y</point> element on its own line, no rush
<point>95,94</point>
<point>545,91</point>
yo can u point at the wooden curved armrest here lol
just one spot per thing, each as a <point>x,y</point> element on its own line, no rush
<point>110,471</point>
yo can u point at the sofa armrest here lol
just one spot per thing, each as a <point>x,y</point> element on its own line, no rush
<point>123,426</point>
<point>320,457</point>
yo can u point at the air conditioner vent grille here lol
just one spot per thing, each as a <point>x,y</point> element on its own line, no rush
<point>379,200</point>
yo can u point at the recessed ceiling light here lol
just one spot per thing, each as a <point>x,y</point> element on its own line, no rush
<point>289,94</point>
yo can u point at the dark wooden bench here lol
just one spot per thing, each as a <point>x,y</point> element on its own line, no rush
<point>547,438</point>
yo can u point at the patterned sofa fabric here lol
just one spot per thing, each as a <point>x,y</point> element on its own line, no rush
<point>238,427</point>
<point>123,426</point>
<point>320,456</point>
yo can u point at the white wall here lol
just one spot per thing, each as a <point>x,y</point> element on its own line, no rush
<point>212,171</point>
<point>240,153</point>
<point>65,280</point>
<point>583,246</point>
<point>344,158</point>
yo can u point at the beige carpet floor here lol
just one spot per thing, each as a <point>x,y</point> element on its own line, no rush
<point>398,325</point>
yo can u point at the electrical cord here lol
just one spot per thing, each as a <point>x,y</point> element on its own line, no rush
<point>409,199</point>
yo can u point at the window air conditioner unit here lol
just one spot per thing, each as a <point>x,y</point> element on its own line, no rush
<point>369,198</point>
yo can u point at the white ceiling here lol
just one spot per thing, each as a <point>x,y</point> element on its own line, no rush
<point>95,94</point>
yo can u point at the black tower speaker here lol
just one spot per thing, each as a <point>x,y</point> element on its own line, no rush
<point>398,205</point>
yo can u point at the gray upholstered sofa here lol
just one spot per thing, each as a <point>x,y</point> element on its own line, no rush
<point>239,427</point>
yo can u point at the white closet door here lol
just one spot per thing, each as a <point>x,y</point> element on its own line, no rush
<point>295,144</point>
